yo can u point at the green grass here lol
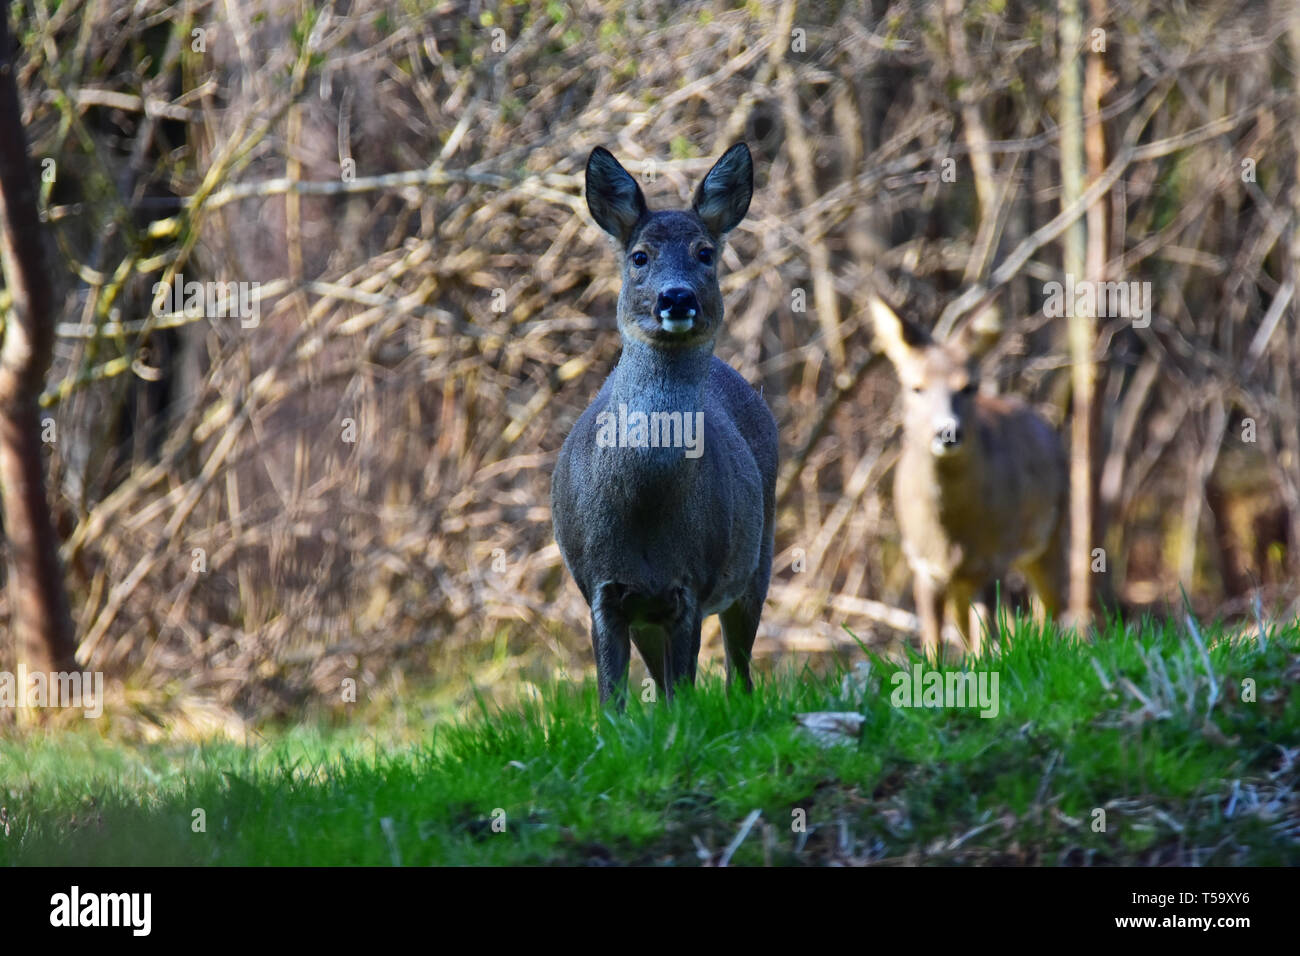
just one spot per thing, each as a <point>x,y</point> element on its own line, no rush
<point>1124,725</point>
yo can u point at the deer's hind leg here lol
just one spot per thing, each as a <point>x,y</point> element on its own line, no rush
<point>1047,577</point>
<point>740,621</point>
<point>739,628</point>
<point>667,634</point>
<point>984,614</point>
<point>1048,583</point>
<point>683,633</point>
<point>651,642</point>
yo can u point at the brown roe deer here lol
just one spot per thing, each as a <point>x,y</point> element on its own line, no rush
<point>981,485</point>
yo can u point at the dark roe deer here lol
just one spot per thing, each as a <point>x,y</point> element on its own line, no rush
<point>664,492</point>
<point>981,485</point>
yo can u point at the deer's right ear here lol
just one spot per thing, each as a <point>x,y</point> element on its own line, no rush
<point>615,200</point>
<point>979,335</point>
<point>898,338</point>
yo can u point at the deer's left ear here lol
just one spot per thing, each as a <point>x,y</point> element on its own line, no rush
<point>723,196</point>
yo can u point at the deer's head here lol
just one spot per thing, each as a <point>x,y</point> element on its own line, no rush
<point>670,295</point>
<point>940,380</point>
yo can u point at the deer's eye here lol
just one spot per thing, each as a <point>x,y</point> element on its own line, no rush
<point>705,255</point>
<point>918,389</point>
<point>639,258</point>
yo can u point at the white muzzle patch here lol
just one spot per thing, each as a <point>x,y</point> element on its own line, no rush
<point>676,325</point>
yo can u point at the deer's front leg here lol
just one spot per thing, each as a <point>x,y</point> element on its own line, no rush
<point>963,614</point>
<point>611,642</point>
<point>929,607</point>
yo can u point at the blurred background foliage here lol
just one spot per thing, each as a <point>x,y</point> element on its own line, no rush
<point>357,486</point>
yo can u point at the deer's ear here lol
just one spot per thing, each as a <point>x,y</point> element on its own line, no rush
<point>615,200</point>
<point>898,338</point>
<point>723,196</point>
<point>980,334</point>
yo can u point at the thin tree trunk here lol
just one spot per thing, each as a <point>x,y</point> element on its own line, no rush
<point>1092,381</point>
<point>1290,437</point>
<point>1082,334</point>
<point>38,607</point>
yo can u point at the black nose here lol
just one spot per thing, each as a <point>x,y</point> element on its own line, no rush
<point>950,434</point>
<point>677,304</point>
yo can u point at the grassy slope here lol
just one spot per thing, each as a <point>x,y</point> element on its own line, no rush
<point>674,783</point>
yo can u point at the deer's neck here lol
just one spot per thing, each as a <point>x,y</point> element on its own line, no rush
<point>655,462</point>
<point>650,379</point>
<point>954,486</point>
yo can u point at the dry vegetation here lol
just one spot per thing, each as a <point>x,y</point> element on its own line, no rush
<point>403,179</point>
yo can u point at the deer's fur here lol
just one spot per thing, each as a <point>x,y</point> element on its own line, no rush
<point>981,485</point>
<point>658,539</point>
